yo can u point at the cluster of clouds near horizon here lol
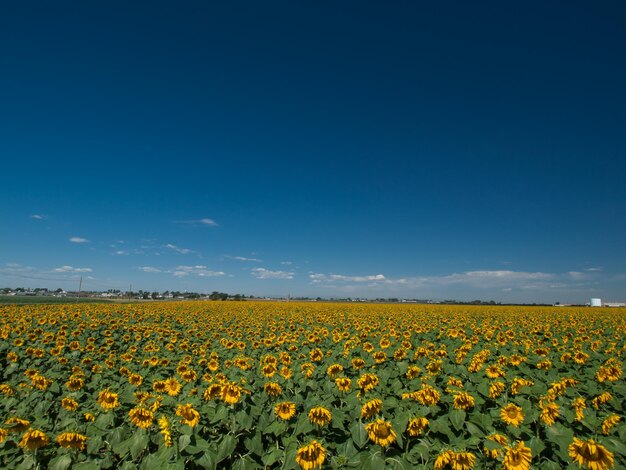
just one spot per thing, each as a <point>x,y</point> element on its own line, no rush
<point>255,276</point>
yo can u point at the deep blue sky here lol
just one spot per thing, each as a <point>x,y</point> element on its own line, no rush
<point>458,150</point>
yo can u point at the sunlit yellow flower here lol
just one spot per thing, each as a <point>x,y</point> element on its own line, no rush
<point>381,432</point>
<point>141,417</point>
<point>334,370</point>
<point>231,393</point>
<point>579,408</point>
<point>34,439</point>
<point>172,386</point>
<point>343,384</point>
<point>496,389</point>
<point>3,435</point>
<point>285,410</point>
<point>320,416</point>
<point>40,382</point>
<point>72,440</point>
<point>463,401</point>
<point>517,458</point>
<point>89,417</point>
<point>311,456</point>
<point>417,426</point>
<point>549,413</point>
<point>189,416</point>
<point>512,414</point>
<point>601,399</point>
<point>273,389</point>
<point>213,391</point>
<point>500,439</point>
<point>17,425</point>
<point>371,408</point>
<point>609,423</point>
<point>444,459</point>
<point>135,379</point>
<point>589,453</point>
<point>69,404</point>
<point>108,400</point>
<point>164,427</point>
<point>463,461</point>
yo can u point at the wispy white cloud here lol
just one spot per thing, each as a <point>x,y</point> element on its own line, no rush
<point>205,221</point>
<point>79,240</point>
<point>177,249</point>
<point>596,268</point>
<point>38,216</point>
<point>262,273</point>
<point>474,279</point>
<point>317,278</point>
<point>243,258</point>
<point>198,270</point>
<point>286,263</point>
<point>149,269</point>
<point>70,269</point>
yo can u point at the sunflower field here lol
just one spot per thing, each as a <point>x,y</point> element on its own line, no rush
<point>248,385</point>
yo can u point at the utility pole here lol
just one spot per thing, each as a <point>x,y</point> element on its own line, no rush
<point>80,286</point>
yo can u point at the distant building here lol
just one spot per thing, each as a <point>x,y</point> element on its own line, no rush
<point>615,304</point>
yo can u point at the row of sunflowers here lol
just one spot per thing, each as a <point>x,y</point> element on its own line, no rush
<point>311,385</point>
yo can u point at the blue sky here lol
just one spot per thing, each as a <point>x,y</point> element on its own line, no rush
<point>468,151</point>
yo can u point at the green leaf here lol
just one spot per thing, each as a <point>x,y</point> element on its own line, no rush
<point>207,460</point>
<point>245,463</point>
<point>457,418</point>
<point>359,434</point>
<point>272,456</point>
<point>474,430</point>
<point>138,443</point>
<point>373,461</point>
<point>183,441</point>
<point>60,462</point>
<point>86,466</point>
<point>226,447</point>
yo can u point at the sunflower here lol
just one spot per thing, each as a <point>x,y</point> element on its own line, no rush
<point>371,408</point>
<point>579,407</point>
<point>517,458</point>
<point>428,395</point>
<point>463,461</point>
<point>159,386</point>
<point>285,410</point>
<point>164,427</point>
<point>320,416</point>
<point>135,379</point>
<point>463,401</point>
<point>358,363</point>
<point>417,426</point>
<point>3,435</point>
<point>141,417</point>
<point>34,439</point>
<point>444,459</point>
<point>74,383</point>
<point>286,372</point>
<point>493,372</point>
<point>108,400</point>
<point>549,413</point>
<point>334,370</point>
<point>609,422</point>
<point>72,440</point>
<point>381,432</point>
<point>40,382</point>
<point>172,386</point>
<point>189,416</point>
<point>367,382</point>
<point>272,389</point>
<point>591,454</point>
<point>212,391</point>
<point>311,456</point>
<point>412,372</point>
<point>231,393</point>
<point>343,384</point>
<point>69,404</point>
<point>499,439</point>
<point>17,425</point>
<point>496,389</point>
<point>512,414</point>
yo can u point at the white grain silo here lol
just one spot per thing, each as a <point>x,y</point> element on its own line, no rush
<point>595,302</point>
